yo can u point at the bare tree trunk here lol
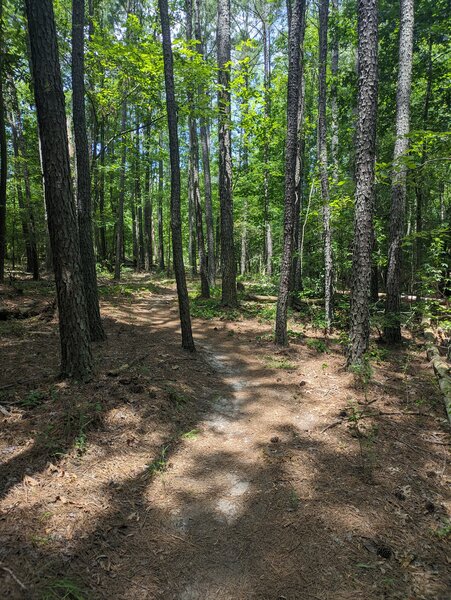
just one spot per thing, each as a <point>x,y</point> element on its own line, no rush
<point>102,228</point>
<point>392,329</point>
<point>160,209</point>
<point>228,264</point>
<point>121,199</point>
<point>322,154</point>
<point>267,246</point>
<point>88,261</point>
<point>76,358</point>
<point>148,222</point>
<point>364,195</point>
<point>294,55</point>
<point>176,225</point>
<point>205,145</point>
<point>3,156</point>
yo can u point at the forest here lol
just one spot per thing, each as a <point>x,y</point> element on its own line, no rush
<point>225,299</point>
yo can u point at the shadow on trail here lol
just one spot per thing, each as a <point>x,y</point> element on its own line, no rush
<point>288,521</point>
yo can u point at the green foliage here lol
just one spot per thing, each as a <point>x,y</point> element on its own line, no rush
<point>63,589</point>
<point>319,345</point>
<point>279,362</point>
<point>159,464</point>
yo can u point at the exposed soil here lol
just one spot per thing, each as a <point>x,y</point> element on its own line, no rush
<point>234,473</point>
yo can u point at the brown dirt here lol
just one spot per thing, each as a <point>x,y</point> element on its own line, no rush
<point>215,475</point>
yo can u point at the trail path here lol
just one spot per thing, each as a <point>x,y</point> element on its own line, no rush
<point>213,476</point>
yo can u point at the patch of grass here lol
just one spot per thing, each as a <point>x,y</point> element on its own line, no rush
<point>294,500</point>
<point>444,531</point>
<point>32,399</point>
<point>319,345</point>
<point>159,464</point>
<point>63,589</point>
<point>276,362</point>
<point>190,435</point>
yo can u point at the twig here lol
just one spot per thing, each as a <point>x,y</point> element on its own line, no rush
<point>334,424</point>
<point>16,579</point>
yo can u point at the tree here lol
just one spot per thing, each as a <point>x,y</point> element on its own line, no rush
<point>281,337</point>
<point>3,156</point>
<point>84,208</point>
<point>322,155</point>
<point>364,175</point>
<point>176,225</point>
<point>392,329</point>
<point>228,263</point>
<point>76,358</point>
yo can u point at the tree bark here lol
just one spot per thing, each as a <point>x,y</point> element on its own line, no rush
<point>3,156</point>
<point>121,199</point>
<point>228,263</point>
<point>364,195</point>
<point>76,358</point>
<point>102,228</point>
<point>148,224</point>
<point>160,209</point>
<point>176,225</point>
<point>88,262</point>
<point>323,166</point>
<point>294,55</point>
<point>392,329</point>
<point>205,147</point>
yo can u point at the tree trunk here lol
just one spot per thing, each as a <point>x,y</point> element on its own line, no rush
<point>121,199</point>
<point>102,228</point>
<point>3,156</point>
<point>148,238</point>
<point>205,145</point>
<point>364,194</point>
<point>176,224</point>
<point>294,55</point>
<point>267,245</point>
<point>160,209</point>
<point>76,358</point>
<point>88,262</point>
<point>228,264</point>
<point>322,155</point>
<point>392,329</point>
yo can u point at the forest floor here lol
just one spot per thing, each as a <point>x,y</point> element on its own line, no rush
<point>238,472</point>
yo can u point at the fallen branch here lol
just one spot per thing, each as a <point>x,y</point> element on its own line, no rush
<point>11,574</point>
<point>334,424</point>
<point>442,368</point>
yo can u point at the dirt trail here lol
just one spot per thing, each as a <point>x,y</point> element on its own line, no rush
<point>212,475</point>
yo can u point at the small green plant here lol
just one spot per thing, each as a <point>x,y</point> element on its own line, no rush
<point>363,374</point>
<point>378,355</point>
<point>444,531</point>
<point>319,345</point>
<point>32,399</point>
<point>294,500</point>
<point>63,589</point>
<point>190,435</point>
<point>159,464</point>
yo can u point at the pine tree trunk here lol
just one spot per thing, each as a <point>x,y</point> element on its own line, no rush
<point>160,210</point>
<point>364,195</point>
<point>88,262</point>
<point>121,199</point>
<point>267,246</point>
<point>322,155</point>
<point>392,329</point>
<point>176,224</point>
<point>205,146</point>
<point>148,224</point>
<point>102,228</point>
<point>294,54</point>
<point>76,358</point>
<point>3,156</point>
<point>228,263</point>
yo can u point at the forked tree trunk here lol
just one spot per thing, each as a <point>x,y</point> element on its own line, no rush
<point>364,194</point>
<point>323,170</point>
<point>84,208</point>
<point>392,329</point>
<point>176,224</point>
<point>76,358</point>
<point>281,337</point>
<point>228,264</point>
